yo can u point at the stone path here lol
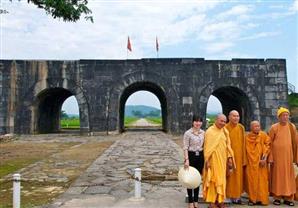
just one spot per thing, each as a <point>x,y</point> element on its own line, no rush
<point>142,122</point>
<point>108,180</point>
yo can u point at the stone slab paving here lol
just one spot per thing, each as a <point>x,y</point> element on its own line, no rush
<point>108,181</point>
<point>110,176</point>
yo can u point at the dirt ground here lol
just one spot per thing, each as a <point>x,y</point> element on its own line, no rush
<point>47,166</point>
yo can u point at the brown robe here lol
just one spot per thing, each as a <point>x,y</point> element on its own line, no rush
<point>257,146</point>
<point>235,179</point>
<point>282,176</point>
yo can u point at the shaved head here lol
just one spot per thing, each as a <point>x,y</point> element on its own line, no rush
<point>254,123</point>
<point>255,127</point>
<point>221,115</point>
<point>220,121</point>
<point>232,112</point>
<point>234,117</point>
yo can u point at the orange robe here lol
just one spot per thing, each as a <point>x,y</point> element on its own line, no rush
<point>282,176</point>
<point>217,149</point>
<point>236,179</point>
<point>296,195</point>
<point>257,146</point>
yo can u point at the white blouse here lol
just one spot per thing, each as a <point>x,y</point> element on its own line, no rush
<point>193,142</point>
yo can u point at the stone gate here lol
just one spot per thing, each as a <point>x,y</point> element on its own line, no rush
<point>33,91</point>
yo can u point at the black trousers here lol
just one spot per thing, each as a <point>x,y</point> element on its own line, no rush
<point>198,163</point>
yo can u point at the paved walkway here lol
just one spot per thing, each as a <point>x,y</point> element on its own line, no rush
<point>142,122</point>
<point>107,182</point>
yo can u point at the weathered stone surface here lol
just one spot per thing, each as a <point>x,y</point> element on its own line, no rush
<point>32,92</point>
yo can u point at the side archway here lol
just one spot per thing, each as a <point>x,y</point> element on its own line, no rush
<point>232,97</point>
<point>43,101</point>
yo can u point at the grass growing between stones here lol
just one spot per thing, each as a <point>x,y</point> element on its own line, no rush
<point>33,193</point>
<point>57,166</point>
<point>16,155</point>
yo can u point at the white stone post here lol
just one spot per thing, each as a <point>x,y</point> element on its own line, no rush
<point>16,190</point>
<point>138,183</point>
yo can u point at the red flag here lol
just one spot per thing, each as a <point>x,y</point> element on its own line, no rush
<point>157,45</point>
<point>129,44</point>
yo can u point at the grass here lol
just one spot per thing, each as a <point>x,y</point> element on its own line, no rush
<point>70,123</point>
<point>130,120</point>
<point>293,100</point>
<point>14,155</point>
<point>15,165</point>
<point>155,120</point>
<point>33,193</point>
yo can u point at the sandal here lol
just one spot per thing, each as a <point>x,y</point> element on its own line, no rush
<point>250,203</point>
<point>237,201</point>
<point>221,205</point>
<point>276,202</point>
<point>212,205</point>
<point>289,203</point>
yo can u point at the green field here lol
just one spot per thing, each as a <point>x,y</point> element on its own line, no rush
<point>70,123</point>
<point>155,120</point>
<point>129,120</point>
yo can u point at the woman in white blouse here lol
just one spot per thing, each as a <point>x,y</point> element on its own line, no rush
<point>193,141</point>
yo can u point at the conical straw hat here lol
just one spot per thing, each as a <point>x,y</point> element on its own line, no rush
<point>189,178</point>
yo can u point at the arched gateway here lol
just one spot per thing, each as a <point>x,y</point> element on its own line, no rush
<point>32,92</point>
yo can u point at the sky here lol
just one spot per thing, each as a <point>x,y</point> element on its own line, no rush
<point>185,28</point>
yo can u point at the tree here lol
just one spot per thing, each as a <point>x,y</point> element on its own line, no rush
<point>68,10</point>
<point>138,114</point>
<point>155,113</point>
<point>63,114</point>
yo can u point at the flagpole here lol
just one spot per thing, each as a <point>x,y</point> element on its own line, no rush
<point>157,47</point>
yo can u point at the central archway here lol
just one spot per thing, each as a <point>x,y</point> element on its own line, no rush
<point>145,86</point>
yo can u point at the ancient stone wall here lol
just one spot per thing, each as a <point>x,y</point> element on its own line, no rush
<point>32,92</point>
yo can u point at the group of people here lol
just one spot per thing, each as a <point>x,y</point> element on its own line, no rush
<point>232,162</point>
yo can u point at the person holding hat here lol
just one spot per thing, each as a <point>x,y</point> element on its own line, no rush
<point>193,141</point>
<point>281,158</point>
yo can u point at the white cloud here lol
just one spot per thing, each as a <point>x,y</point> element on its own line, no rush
<point>106,38</point>
<point>260,35</point>
<point>220,30</point>
<point>238,11</point>
<point>294,7</point>
<point>218,47</point>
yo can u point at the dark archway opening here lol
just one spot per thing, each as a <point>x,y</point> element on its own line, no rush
<point>49,104</point>
<point>232,98</point>
<point>143,86</point>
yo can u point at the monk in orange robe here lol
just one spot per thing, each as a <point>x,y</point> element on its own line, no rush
<point>235,180</point>
<point>218,154</point>
<point>282,155</point>
<point>257,145</point>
